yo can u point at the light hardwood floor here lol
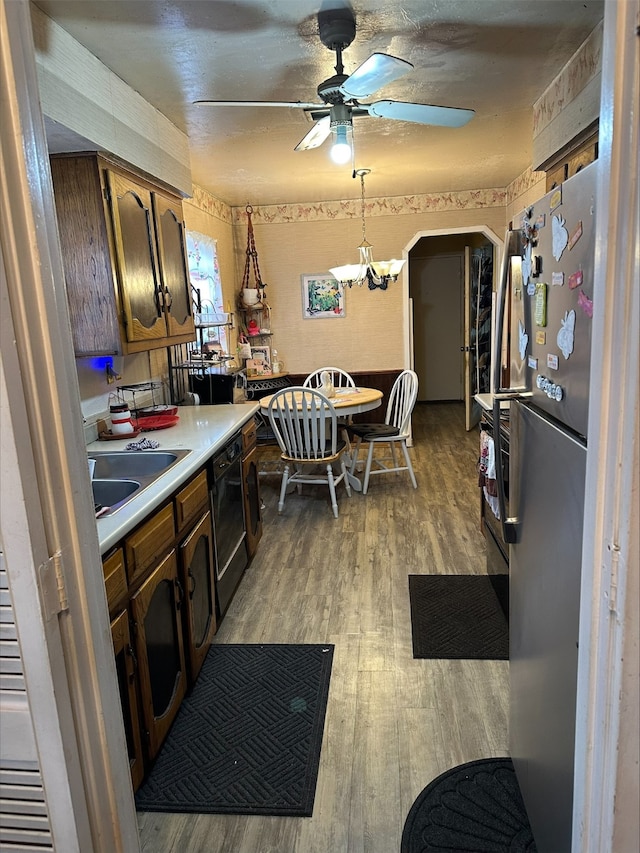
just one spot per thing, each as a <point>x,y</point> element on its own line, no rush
<point>393,723</point>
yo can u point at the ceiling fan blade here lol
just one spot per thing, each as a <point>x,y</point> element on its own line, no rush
<point>316,136</point>
<point>373,74</point>
<point>291,104</point>
<point>420,113</point>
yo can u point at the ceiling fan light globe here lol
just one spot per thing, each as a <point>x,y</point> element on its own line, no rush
<point>340,153</point>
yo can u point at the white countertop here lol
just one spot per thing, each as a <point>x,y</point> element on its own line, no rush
<point>201,429</point>
<point>486,402</point>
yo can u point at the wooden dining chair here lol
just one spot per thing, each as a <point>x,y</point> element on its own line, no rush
<point>339,377</point>
<point>305,425</point>
<point>394,430</point>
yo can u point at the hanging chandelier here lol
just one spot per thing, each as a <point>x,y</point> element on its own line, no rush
<point>375,273</point>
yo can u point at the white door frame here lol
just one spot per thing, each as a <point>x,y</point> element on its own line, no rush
<point>52,561</point>
<point>437,232</point>
<point>407,303</point>
<point>605,811</point>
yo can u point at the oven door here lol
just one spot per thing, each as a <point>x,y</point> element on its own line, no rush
<point>229,529</point>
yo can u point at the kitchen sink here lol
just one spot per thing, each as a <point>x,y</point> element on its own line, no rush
<point>132,464</point>
<point>113,493</point>
<point>121,475</point>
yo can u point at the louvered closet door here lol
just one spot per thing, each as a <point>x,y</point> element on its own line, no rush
<point>24,822</point>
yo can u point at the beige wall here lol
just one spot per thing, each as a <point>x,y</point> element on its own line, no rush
<point>524,191</point>
<point>372,335</point>
<point>296,239</point>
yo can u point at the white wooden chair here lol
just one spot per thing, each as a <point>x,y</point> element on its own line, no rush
<point>306,427</point>
<point>339,377</point>
<point>394,430</point>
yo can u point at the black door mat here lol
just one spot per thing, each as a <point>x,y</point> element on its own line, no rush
<point>459,616</point>
<point>475,808</point>
<point>247,739</point>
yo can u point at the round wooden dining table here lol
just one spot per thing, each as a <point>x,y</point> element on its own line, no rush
<point>347,402</point>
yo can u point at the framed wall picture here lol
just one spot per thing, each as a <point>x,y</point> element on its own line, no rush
<point>322,297</point>
<point>262,354</point>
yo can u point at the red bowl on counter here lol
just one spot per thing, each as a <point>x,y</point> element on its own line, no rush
<point>157,411</point>
<point>155,422</point>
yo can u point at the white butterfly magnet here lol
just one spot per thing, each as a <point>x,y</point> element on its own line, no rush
<point>566,334</point>
<point>526,266</point>
<point>560,236</point>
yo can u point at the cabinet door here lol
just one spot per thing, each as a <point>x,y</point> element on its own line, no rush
<point>146,545</point>
<point>252,502</point>
<point>126,672</point>
<point>158,637</point>
<point>191,501</point>
<point>197,572</point>
<point>86,255</point>
<point>172,256</point>
<point>115,579</point>
<point>135,251</point>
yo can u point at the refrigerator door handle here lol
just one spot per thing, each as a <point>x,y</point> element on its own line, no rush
<point>512,243</point>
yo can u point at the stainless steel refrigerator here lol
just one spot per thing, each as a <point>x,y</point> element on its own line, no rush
<point>545,302</point>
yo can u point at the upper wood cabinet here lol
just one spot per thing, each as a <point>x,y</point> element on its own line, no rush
<point>576,158</point>
<point>123,249</point>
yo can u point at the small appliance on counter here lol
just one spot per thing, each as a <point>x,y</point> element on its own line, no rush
<point>214,385</point>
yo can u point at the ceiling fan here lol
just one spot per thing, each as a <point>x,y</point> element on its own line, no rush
<point>341,94</point>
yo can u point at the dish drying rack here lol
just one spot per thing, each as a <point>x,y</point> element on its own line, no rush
<point>155,387</point>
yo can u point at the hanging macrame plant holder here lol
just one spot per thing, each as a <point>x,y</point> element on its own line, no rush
<point>251,296</point>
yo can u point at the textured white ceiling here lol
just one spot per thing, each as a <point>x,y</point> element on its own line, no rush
<point>493,56</point>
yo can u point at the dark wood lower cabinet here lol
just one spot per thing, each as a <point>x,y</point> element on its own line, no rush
<point>126,674</point>
<point>167,610</point>
<point>155,610</point>
<point>198,580</point>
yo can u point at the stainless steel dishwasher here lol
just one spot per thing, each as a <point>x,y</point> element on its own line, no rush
<point>228,521</point>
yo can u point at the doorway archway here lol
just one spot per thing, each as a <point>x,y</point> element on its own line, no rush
<point>436,352</point>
